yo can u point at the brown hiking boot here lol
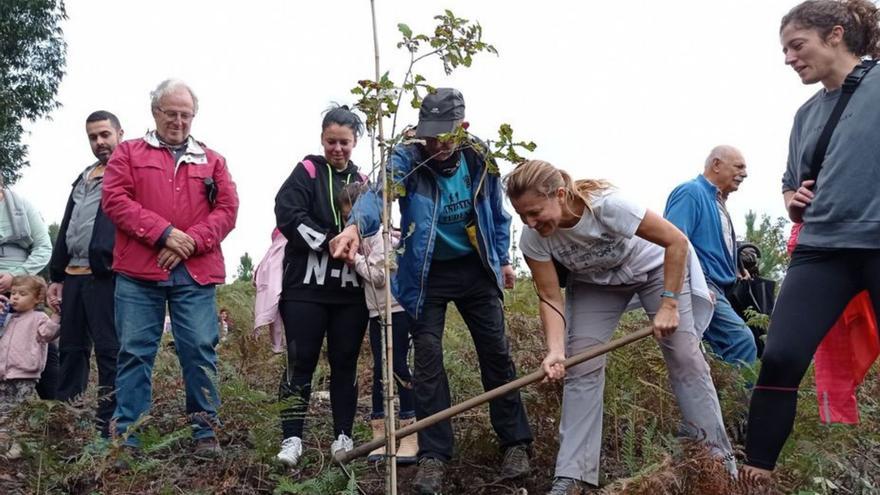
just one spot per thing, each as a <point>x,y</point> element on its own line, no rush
<point>429,478</point>
<point>516,462</point>
<point>207,447</point>
<point>408,451</point>
<point>378,426</point>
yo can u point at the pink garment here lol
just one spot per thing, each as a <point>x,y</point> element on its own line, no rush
<point>267,279</point>
<point>21,355</point>
<point>370,266</point>
<point>844,356</point>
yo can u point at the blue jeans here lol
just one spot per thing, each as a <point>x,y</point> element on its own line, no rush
<point>400,323</point>
<point>140,314</point>
<point>727,334</point>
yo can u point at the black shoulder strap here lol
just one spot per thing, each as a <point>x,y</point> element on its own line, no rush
<point>850,84</point>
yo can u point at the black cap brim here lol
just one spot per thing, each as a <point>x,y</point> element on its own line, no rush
<point>433,128</point>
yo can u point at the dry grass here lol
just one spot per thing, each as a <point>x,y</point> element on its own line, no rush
<point>640,453</point>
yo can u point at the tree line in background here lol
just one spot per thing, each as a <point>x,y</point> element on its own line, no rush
<point>32,60</point>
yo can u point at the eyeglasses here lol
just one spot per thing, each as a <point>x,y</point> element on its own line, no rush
<point>173,115</point>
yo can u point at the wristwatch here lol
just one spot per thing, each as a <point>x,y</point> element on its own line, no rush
<point>669,294</point>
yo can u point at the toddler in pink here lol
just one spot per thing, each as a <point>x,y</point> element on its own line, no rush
<point>24,338</point>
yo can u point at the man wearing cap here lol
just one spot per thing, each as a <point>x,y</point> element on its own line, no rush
<point>455,249</point>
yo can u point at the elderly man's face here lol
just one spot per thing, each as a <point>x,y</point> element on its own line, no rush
<point>730,172</point>
<point>174,116</point>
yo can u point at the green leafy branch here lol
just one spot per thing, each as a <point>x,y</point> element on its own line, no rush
<point>455,41</point>
<point>755,318</point>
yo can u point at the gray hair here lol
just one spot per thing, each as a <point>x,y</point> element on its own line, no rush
<point>169,86</point>
<point>721,152</point>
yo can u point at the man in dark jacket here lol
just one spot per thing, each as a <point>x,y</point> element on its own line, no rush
<point>82,280</point>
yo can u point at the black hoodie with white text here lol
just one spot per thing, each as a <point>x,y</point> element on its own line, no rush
<point>306,213</point>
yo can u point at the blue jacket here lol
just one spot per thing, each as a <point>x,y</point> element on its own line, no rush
<point>419,214</point>
<point>693,209</point>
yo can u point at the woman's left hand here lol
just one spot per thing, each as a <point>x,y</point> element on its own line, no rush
<point>666,319</point>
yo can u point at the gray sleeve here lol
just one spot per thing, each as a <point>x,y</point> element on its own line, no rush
<point>533,245</point>
<point>790,177</point>
<point>618,214</point>
<point>41,250</point>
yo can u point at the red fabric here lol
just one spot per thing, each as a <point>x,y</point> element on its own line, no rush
<point>844,356</point>
<point>842,360</point>
<point>792,239</point>
<point>143,195</point>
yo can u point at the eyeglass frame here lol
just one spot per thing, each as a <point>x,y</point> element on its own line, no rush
<point>184,116</point>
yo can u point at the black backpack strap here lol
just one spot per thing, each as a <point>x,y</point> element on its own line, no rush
<point>850,84</point>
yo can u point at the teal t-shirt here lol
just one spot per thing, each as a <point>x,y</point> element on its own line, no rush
<point>456,211</point>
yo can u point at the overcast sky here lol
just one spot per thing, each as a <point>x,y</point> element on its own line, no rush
<point>634,92</point>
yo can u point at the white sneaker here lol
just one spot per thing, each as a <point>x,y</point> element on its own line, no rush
<point>342,443</point>
<point>730,466</point>
<point>291,450</point>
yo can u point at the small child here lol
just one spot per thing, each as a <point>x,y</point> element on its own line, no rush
<point>24,339</point>
<point>371,268</point>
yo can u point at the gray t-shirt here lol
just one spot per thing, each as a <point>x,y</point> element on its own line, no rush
<point>86,200</point>
<point>845,212</point>
<point>602,247</point>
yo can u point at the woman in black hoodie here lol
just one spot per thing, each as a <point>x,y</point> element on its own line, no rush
<point>320,295</point>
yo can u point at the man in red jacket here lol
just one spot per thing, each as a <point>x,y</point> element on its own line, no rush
<point>172,201</point>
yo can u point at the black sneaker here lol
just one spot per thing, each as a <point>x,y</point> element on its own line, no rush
<point>567,486</point>
<point>515,463</point>
<point>429,478</point>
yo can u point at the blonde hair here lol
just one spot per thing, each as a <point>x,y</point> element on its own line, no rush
<point>32,283</point>
<point>543,178</point>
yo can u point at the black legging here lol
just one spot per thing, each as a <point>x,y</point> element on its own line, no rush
<point>305,324</point>
<point>818,286</point>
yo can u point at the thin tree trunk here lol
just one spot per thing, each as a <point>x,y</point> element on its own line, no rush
<point>388,354</point>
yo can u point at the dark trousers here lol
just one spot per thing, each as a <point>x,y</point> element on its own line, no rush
<point>47,386</point>
<point>400,323</point>
<point>465,282</point>
<point>87,321</point>
<point>818,286</point>
<point>305,325</point>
